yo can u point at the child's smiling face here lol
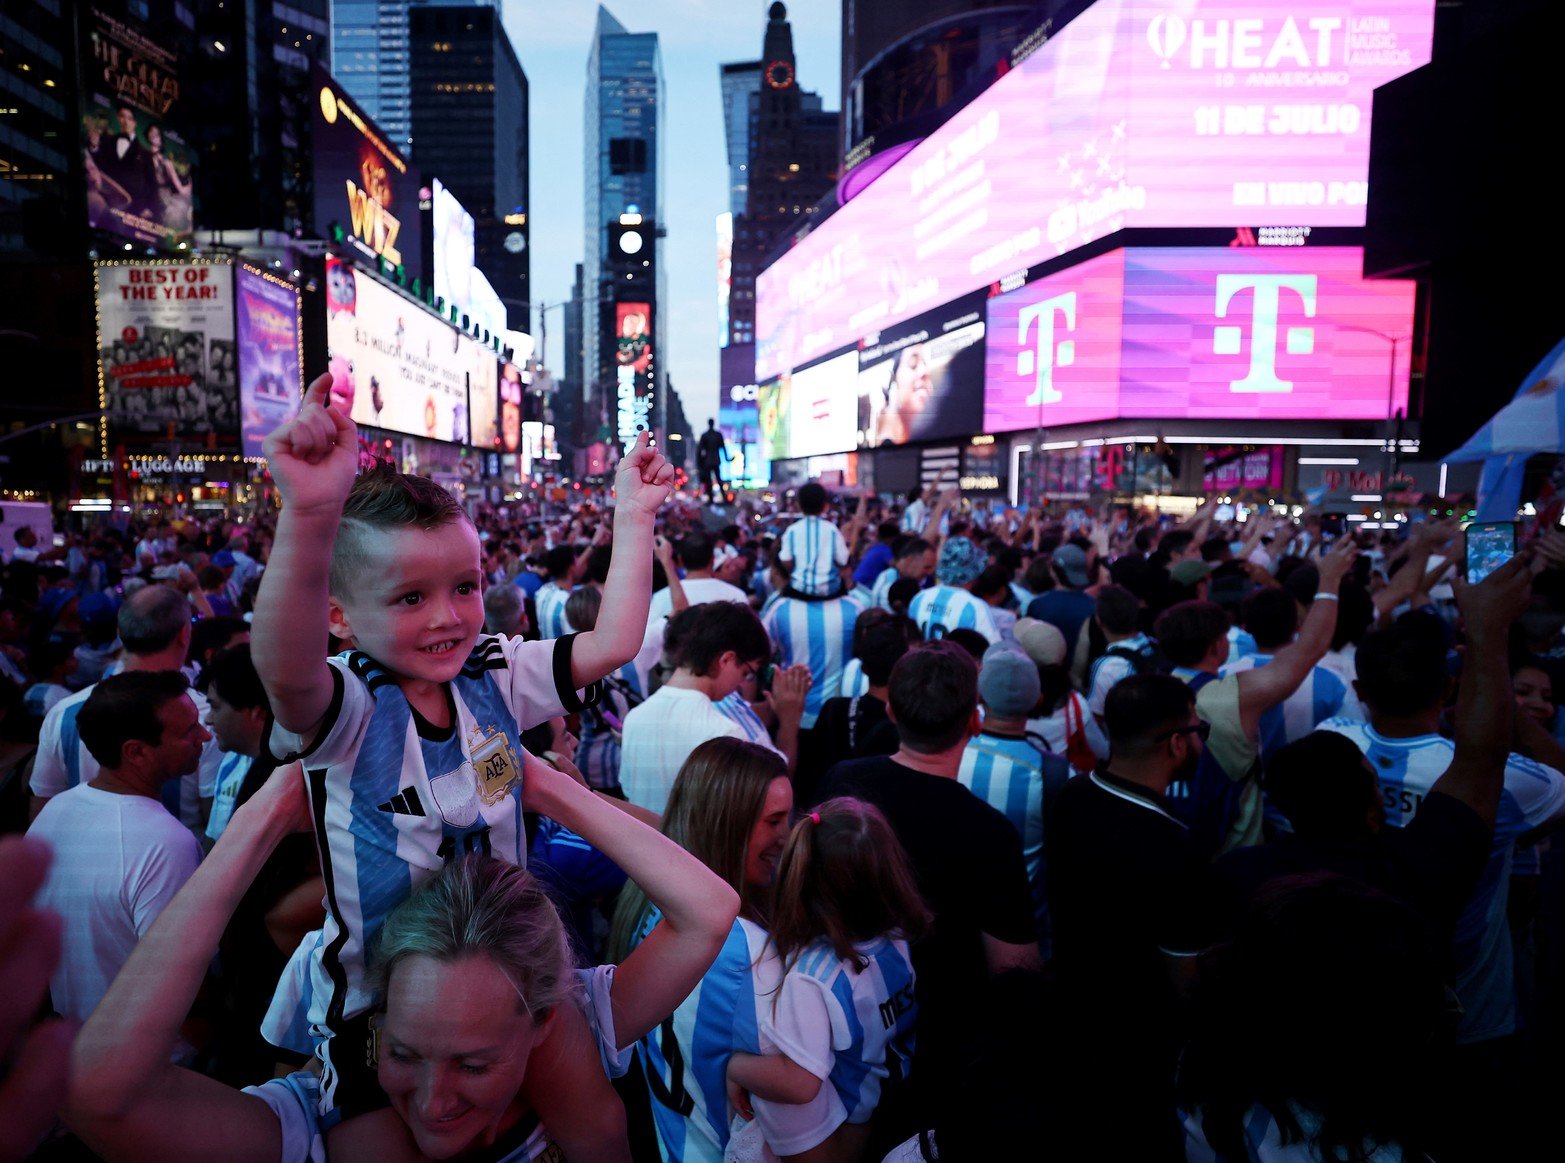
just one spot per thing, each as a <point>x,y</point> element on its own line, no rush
<point>417,606</point>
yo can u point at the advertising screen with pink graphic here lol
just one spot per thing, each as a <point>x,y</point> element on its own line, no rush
<point>1221,333</point>
<point>1206,113</point>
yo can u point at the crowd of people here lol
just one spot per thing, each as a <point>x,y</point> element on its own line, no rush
<point>644,826</point>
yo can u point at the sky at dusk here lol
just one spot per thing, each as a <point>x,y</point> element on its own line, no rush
<point>696,36</point>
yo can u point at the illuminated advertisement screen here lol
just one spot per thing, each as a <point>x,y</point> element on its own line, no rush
<point>363,184</point>
<point>510,391</point>
<point>393,363</point>
<point>774,402</point>
<point>1206,113</point>
<point>923,380</point>
<point>266,315</point>
<point>454,248</point>
<point>483,393</point>
<point>725,273</point>
<point>985,468</point>
<point>633,365</point>
<point>166,351</point>
<point>739,420</point>
<point>1222,333</point>
<point>138,167</point>
<point>1231,469</point>
<point>825,415</point>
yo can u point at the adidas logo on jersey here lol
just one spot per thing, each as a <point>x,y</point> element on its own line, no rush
<point>404,803</point>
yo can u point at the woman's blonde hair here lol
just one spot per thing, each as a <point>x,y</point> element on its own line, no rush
<point>480,905</point>
<point>712,808</point>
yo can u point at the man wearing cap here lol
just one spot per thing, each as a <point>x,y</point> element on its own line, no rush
<point>1010,769</point>
<point>1068,606</point>
<point>154,628</point>
<point>948,604</point>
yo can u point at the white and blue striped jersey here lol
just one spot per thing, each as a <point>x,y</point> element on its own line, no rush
<point>231,771</point>
<point>1533,795</point>
<point>817,552</point>
<point>1264,1142</point>
<point>394,799</point>
<point>818,634</point>
<point>880,589</point>
<point>738,711</point>
<point>1007,774</point>
<point>63,761</point>
<point>1320,697</point>
<point>942,609</point>
<point>1108,669</point>
<point>914,517</point>
<point>549,608</point>
<point>849,1027</point>
<point>296,1099</point>
<point>686,1058</point>
<point>854,680</point>
<point>1241,644</point>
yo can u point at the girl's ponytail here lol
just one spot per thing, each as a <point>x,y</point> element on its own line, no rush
<point>844,877</point>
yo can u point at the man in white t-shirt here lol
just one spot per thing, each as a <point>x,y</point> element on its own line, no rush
<point>694,554</point>
<point>119,856</point>
<point>716,646</point>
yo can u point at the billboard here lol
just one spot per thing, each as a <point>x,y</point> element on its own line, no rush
<point>825,413</point>
<point>363,185</point>
<point>1206,113</point>
<point>166,351</point>
<point>138,168</point>
<point>483,394</point>
<point>454,245</point>
<point>923,380</point>
<point>774,404</point>
<point>510,392</point>
<point>725,273</point>
<point>395,365</point>
<point>1208,333</point>
<point>266,317</point>
<point>633,364</point>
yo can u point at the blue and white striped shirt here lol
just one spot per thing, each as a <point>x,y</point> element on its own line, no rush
<point>1319,697</point>
<point>848,1026</point>
<point>817,552</point>
<point>942,609</point>
<point>1533,796</point>
<point>1007,774</point>
<point>549,606</point>
<point>818,634</point>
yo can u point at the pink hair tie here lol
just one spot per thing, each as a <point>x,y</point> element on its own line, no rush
<point>815,818</point>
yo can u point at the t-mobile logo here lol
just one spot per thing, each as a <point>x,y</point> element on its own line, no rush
<point>1040,360</point>
<point>1229,339</point>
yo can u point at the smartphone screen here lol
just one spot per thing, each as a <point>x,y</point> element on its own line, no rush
<point>1490,544</point>
<point>1332,526</point>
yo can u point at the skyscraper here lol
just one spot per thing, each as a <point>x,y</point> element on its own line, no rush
<point>623,179</point>
<point>369,58</point>
<point>469,122</point>
<point>741,82</point>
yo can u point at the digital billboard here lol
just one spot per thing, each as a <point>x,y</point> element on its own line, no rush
<point>483,393</point>
<point>1206,113</point>
<point>363,185</point>
<point>510,408</point>
<point>266,315</point>
<point>725,273</point>
<point>166,351</point>
<point>739,420</point>
<point>923,380</point>
<point>774,403</point>
<point>824,407</point>
<point>1223,333</point>
<point>454,244</point>
<point>395,365</point>
<point>138,168</point>
<point>633,364</point>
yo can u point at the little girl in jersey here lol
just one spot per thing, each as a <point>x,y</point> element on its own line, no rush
<point>846,907</point>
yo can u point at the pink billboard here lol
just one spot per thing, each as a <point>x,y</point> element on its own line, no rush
<point>1199,113</point>
<point>1260,333</point>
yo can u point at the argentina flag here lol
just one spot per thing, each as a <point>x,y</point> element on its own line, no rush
<point>1534,421</point>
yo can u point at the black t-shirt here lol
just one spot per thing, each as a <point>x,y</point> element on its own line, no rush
<point>848,727</point>
<point>967,859</point>
<point>1432,865</point>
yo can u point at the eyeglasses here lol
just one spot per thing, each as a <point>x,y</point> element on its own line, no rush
<point>1201,729</point>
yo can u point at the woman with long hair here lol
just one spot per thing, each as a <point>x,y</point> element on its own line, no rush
<point>730,808</point>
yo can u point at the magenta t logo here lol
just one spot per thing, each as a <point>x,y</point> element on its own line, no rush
<point>1040,360</point>
<point>1229,339</point>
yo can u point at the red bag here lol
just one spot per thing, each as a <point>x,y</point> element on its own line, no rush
<point>1078,752</point>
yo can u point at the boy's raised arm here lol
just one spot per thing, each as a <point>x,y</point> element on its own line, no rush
<point>641,485</point>
<point>313,458</point>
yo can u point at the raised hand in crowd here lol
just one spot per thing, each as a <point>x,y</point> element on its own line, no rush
<point>314,456</point>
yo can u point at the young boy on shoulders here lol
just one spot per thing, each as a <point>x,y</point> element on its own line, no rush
<point>410,739</point>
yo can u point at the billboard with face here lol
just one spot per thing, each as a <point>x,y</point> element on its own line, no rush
<point>166,353</point>
<point>923,379</point>
<point>138,168</point>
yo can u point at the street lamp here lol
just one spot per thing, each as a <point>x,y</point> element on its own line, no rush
<point>1391,396</point>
